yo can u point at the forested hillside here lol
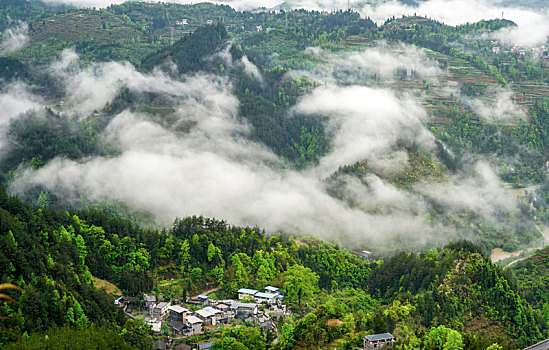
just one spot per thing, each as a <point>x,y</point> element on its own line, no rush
<point>410,295</point>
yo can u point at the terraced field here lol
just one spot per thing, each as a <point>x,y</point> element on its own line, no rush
<point>102,34</point>
<point>527,92</point>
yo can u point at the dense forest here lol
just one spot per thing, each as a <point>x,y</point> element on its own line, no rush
<point>411,295</point>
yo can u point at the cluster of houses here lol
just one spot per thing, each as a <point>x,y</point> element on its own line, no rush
<point>259,309</point>
<point>541,52</point>
<point>185,22</point>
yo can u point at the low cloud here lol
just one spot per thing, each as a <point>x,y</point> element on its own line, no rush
<point>14,39</point>
<point>497,106</point>
<point>483,194</point>
<point>366,122</point>
<point>211,168</point>
<point>15,99</point>
<point>382,62</point>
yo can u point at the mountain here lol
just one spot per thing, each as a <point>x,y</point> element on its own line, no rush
<point>313,135</point>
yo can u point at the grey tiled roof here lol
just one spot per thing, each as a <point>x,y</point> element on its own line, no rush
<point>382,336</point>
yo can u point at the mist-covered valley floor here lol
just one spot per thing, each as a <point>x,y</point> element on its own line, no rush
<point>351,146</point>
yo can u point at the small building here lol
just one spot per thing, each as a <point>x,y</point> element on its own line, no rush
<point>150,300</point>
<point>155,325</point>
<point>127,303</point>
<point>160,344</point>
<point>365,254</point>
<point>207,317</point>
<point>226,313</point>
<point>201,300</point>
<point>277,311</point>
<point>218,314</point>
<point>265,323</point>
<point>206,346</point>
<point>246,293</point>
<point>160,309</point>
<point>376,341</point>
<point>194,325</point>
<point>177,313</point>
<point>222,307</point>
<point>272,290</point>
<point>267,297</point>
<point>244,310</point>
<point>177,327</point>
<point>209,22</point>
<point>495,49</point>
<point>183,346</point>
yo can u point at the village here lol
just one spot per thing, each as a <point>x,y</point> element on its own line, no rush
<point>537,53</point>
<point>197,315</point>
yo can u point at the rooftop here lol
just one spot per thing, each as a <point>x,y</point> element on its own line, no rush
<point>222,307</point>
<point>205,345</point>
<point>178,326</point>
<point>272,289</point>
<point>183,347</point>
<point>247,291</point>
<point>130,299</point>
<point>177,308</point>
<point>265,295</point>
<point>212,310</point>
<point>193,320</point>
<point>149,297</point>
<point>162,304</point>
<point>202,296</point>
<point>382,336</point>
<point>243,305</point>
<point>204,313</point>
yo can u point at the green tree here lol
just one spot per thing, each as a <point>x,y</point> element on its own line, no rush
<point>443,338</point>
<point>454,341</point>
<point>79,317</point>
<point>287,339</point>
<point>184,256</point>
<point>82,251</point>
<point>196,274</point>
<point>211,252</point>
<point>379,324</point>
<point>300,284</point>
<point>229,343</point>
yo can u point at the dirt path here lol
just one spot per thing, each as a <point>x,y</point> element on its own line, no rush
<point>500,254</point>
<point>515,261</point>
<point>209,291</point>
